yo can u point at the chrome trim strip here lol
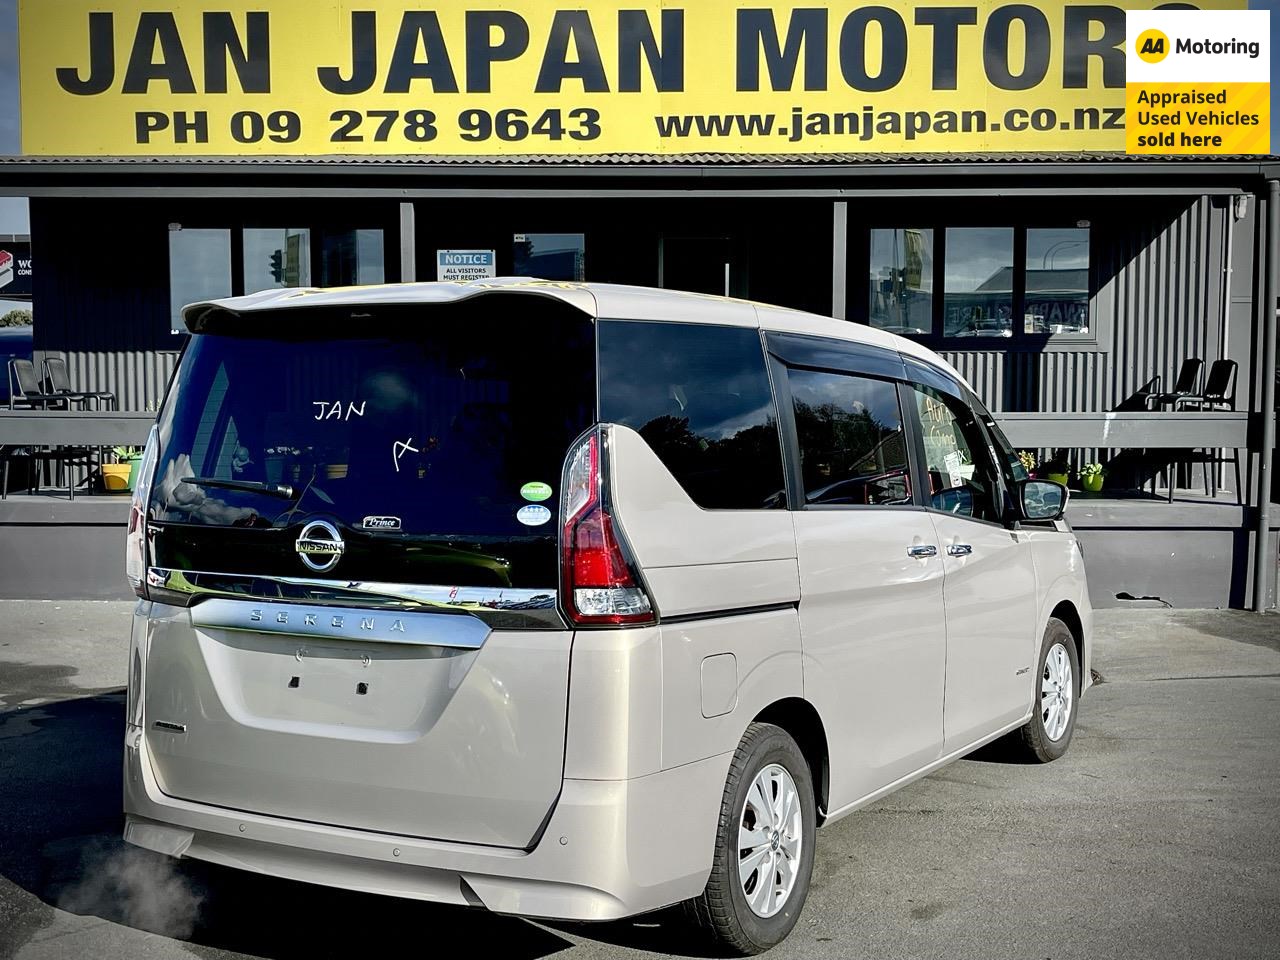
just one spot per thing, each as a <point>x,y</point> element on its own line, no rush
<point>212,583</point>
<point>500,607</point>
<point>341,623</point>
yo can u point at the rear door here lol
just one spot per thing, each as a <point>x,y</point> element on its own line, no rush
<point>354,526</point>
<point>989,583</point>
<point>871,607</point>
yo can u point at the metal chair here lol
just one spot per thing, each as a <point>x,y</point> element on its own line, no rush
<point>1188,383</point>
<point>1219,394</point>
<point>59,383</point>
<point>24,388</point>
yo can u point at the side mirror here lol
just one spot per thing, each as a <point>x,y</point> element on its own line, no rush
<point>1042,499</point>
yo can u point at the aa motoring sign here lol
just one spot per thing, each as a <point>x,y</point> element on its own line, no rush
<point>107,77</point>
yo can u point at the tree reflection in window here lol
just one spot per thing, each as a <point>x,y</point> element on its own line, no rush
<point>852,448</point>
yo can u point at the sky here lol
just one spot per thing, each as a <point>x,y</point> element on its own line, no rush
<point>13,212</point>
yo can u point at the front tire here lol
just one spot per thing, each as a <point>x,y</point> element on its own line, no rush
<point>1046,736</point>
<point>764,844</point>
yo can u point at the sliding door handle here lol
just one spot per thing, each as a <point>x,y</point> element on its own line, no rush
<point>921,551</point>
<point>959,549</point>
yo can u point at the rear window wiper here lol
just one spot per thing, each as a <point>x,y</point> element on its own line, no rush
<point>281,490</point>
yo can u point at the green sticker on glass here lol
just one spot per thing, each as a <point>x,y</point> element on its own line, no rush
<point>535,491</point>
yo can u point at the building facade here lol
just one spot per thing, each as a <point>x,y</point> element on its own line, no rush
<point>1064,279</point>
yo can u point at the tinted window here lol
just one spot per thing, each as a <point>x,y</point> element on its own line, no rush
<point>1057,282</point>
<point>438,424</point>
<point>276,258</point>
<point>962,478</point>
<point>700,397</point>
<point>977,282</point>
<point>199,269</point>
<point>852,448</point>
<point>902,280</point>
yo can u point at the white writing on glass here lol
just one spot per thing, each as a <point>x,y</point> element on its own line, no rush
<point>334,411</point>
<point>399,449</point>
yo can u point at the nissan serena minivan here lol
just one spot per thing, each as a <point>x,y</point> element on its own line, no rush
<point>572,600</point>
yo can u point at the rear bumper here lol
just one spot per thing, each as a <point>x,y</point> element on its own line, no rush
<point>612,848</point>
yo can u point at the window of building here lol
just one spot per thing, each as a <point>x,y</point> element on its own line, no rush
<point>986,277</point>
<point>902,280</point>
<point>351,258</point>
<point>977,283</point>
<point>1057,281</point>
<point>699,395</point>
<point>276,258</point>
<point>852,447</point>
<point>550,256</point>
<point>199,269</point>
<point>962,478</point>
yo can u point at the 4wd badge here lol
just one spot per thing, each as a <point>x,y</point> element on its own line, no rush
<point>381,523</point>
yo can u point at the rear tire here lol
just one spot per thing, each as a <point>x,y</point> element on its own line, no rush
<point>1046,736</point>
<point>764,845</point>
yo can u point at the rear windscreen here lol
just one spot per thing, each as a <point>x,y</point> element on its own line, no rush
<point>432,442</point>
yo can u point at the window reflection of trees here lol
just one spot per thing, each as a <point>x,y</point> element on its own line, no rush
<point>851,456</point>
<point>708,466</point>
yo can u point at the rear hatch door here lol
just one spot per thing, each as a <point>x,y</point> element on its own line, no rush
<point>354,519</point>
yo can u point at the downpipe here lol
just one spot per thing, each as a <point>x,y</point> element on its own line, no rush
<point>1263,571</point>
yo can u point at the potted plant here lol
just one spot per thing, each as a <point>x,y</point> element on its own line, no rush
<point>1028,461</point>
<point>1057,469</point>
<point>126,466</point>
<point>1091,477</point>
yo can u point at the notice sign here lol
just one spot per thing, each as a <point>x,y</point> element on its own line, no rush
<point>460,265</point>
<point>1198,81</point>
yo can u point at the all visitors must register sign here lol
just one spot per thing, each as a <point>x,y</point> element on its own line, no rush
<point>479,78</point>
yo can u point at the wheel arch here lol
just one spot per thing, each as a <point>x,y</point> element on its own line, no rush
<point>801,720</point>
<point>1067,612</point>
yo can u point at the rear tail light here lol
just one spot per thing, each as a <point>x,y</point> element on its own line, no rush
<point>599,580</point>
<point>135,550</point>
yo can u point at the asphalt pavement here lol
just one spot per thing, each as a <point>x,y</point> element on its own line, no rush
<point>1158,835</point>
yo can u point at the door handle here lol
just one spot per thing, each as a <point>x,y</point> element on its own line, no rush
<point>922,550</point>
<point>959,549</point>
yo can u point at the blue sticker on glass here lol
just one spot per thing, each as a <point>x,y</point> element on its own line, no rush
<point>533,515</point>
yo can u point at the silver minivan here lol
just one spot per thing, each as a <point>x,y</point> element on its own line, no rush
<point>572,600</point>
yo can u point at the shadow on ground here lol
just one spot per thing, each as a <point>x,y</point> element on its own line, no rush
<point>60,825</point>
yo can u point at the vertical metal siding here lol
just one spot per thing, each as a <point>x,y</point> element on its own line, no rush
<point>1158,302</point>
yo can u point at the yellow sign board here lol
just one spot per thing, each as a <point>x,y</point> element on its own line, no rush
<point>1198,82</point>
<point>483,78</point>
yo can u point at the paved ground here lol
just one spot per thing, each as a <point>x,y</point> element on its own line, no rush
<point>1157,836</point>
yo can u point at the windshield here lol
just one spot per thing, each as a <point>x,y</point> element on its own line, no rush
<point>435,448</point>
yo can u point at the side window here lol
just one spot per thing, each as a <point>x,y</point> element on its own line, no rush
<point>852,446</point>
<point>962,478</point>
<point>700,397</point>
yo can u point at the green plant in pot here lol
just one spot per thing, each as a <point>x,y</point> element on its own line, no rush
<point>131,457</point>
<point>1028,461</point>
<point>1091,477</point>
<point>1056,468</point>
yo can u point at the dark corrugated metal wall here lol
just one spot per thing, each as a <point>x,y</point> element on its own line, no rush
<point>103,302</point>
<point>102,298</point>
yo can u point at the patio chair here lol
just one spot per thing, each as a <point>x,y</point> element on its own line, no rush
<point>1219,389</point>
<point>63,459</point>
<point>24,388</point>
<point>1188,383</point>
<point>1219,394</point>
<point>59,383</point>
